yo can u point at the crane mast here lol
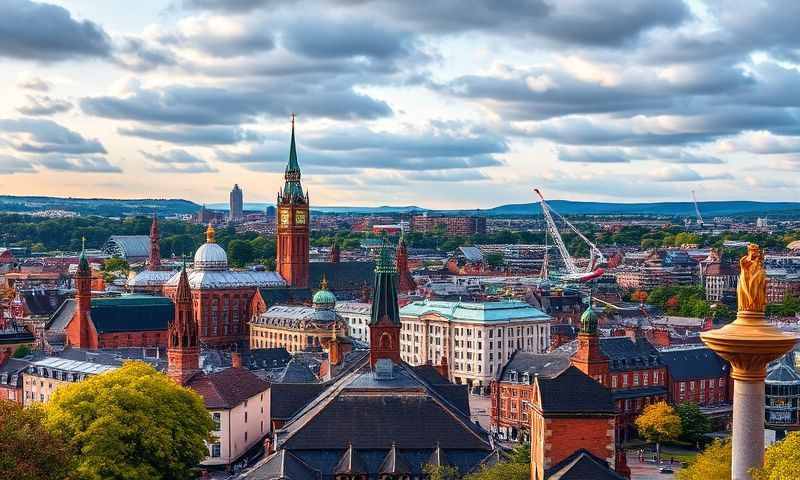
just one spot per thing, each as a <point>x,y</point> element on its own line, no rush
<point>697,210</point>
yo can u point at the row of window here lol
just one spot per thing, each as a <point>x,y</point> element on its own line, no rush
<point>637,379</point>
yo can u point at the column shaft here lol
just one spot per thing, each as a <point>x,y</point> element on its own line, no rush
<point>748,428</point>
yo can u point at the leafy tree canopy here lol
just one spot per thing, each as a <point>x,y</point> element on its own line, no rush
<point>131,423</point>
<point>28,451</point>
<point>694,423</point>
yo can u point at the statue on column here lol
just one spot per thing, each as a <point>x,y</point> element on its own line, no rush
<point>752,288</point>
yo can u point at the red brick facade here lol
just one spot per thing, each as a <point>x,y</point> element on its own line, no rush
<point>154,338</point>
<point>706,392</point>
<point>556,438</point>
<point>221,314</point>
<point>292,244</point>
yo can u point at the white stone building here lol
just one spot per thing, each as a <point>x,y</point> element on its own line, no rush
<point>476,338</point>
<point>357,315</point>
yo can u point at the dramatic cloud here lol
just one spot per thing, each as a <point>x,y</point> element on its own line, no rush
<point>10,165</point>
<point>45,32</point>
<point>177,161</point>
<point>90,164</point>
<point>230,106</point>
<point>45,136</point>
<point>211,135</point>
<point>332,39</point>
<point>44,105</point>
<point>362,148</point>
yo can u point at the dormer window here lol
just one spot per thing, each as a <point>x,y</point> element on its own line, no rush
<point>526,378</point>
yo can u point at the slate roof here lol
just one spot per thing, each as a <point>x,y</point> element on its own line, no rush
<point>582,465</point>
<point>285,296</point>
<point>259,358</point>
<point>694,363</point>
<point>394,463</point>
<point>638,392</point>
<point>297,371</point>
<point>10,372</point>
<point>342,277</point>
<point>457,395</point>
<point>471,254</point>
<point>350,463</point>
<point>131,313</point>
<point>625,354</point>
<point>16,334</point>
<point>227,388</point>
<point>546,365</point>
<point>574,392</point>
<point>286,399</point>
<point>61,317</point>
<point>282,465</point>
<point>43,302</point>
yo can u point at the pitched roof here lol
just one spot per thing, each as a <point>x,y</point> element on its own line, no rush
<point>394,463</point>
<point>626,354</point>
<point>342,276</point>
<point>131,313</point>
<point>258,358</point>
<point>413,420</point>
<point>10,371</point>
<point>438,457</point>
<point>297,371</point>
<point>350,463</point>
<point>574,392</point>
<point>43,302</point>
<point>693,363</point>
<point>286,399</point>
<point>227,388</point>
<point>582,465</point>
<point>282,465</point>
<point>545,365</point>
<point>457,395</point>
<point>285,295</point>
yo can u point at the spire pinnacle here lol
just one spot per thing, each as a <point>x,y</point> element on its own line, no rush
<point>323,285</point>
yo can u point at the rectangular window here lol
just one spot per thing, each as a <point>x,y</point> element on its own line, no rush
<point>216,417</point>
<point>635,379</point>
<point>216,450</point>
<point>613,381</point>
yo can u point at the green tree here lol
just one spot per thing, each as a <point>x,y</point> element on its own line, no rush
<point>131,423</point>
<point>28,450</point>
<point>713,464</point>
<point>495,259</point>
<point>521,454</point>
<point>22,351</point>
<point>240,253</point>
<point>116,264</point>
<point>441,472</point>
<point>694,423</point>
<point>658,423</point>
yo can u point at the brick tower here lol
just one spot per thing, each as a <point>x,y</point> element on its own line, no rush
<point>384,326</point>
<point>183,351</point>
<point>292,223</point>
<point>589,358</point>
<point>336,253</point>
<point>405,280</point>
<point>154,261</point>
<point>80,332</point>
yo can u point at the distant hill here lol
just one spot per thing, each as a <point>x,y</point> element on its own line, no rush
<point>106,207</point>
<point>123,207</point>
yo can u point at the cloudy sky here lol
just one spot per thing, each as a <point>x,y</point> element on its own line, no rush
<point>439,103</point>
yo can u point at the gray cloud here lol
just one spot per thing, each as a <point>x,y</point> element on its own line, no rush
<point>10,165</point>
<point>363,148</point>
<point>236,6</point>
<point>353,38</point>
<point>177,161</point>
<point>45,136</point>
<point>682,173</point>
<point>208,135</point>
<point>229,106</point>
<point>593,155</point>
<point>34,83</point>
<point>45,32</point>
<point>94,164</point>
<point>44,105</point>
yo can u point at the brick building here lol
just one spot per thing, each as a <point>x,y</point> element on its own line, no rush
<point>780,286</point>
<point>698,375</point>
<point>463,226</point>
<point>631,368</point>
<point>718,276</point>
<point>11,379</point>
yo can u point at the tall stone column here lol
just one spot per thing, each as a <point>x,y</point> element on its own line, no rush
<point>749,344</point>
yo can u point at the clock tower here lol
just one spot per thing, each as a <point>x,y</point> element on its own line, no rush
<point>292,225</point>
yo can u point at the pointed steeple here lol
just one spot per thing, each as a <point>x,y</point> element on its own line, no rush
<point>83,262</point>
<point>183,351</point>
<point>80,333</point>
<point>350,463</point>
<point>438,458</point>
<point>154,261</point>
<point>394,463</point>
<point>384,324</point>
<point>406,282</point>
<point>336,253</point>
<point>292,189</point>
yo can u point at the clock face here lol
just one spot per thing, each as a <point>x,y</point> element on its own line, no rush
<point>284,217</point>
<point>300,217</point>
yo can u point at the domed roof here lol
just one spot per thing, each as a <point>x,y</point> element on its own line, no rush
<point>324,298</point>
<point>589,320</point>
<point>210,256</point>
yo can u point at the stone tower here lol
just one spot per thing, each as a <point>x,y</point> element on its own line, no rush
<point>183,350</point>
<point>405,280</point>
<point>384,326</point>
<point>292,222</point>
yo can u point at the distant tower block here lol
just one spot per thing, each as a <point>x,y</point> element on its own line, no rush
<point>236,204</point>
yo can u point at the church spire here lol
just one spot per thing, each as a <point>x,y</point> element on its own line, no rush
<point>183,351</point>
<point>292,189</point>
<point>384,326</point>
<point>154,262</point>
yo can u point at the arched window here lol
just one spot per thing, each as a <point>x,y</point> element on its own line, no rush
<point>386,341</point>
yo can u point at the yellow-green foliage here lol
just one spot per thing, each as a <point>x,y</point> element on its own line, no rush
<point>28,451</point>
<point>658,423</point>
<point>131,423</point>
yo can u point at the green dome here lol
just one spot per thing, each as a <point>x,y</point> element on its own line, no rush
<point>589,320</point>
<point>324,298</point>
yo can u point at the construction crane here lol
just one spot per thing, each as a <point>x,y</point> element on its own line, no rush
<point>697,210</point>
<point>595,255</point>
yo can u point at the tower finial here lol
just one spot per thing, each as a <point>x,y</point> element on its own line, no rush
<point>323,285</point>
<point>83,244</point>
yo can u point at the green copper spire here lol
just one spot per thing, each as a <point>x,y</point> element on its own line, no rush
<point>292,190</point>
<point>589,320</point>
<point>83,262</point>
<point>385,263</point>
<point>384,289</point>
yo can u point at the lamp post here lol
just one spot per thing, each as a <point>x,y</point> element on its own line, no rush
<point>749,344</point>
